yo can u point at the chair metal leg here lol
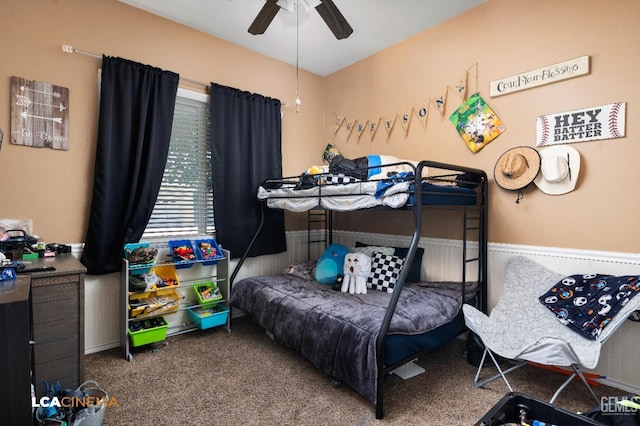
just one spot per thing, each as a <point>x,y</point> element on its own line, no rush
<point>577,372</point>
<point>501,373</point>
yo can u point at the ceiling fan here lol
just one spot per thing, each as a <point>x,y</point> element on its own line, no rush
<point>326,8</point>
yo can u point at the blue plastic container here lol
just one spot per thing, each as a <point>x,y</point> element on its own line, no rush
<point>136,268</point>
<point>181,262</point>
<point>211,317</point>
<point>208,251</point>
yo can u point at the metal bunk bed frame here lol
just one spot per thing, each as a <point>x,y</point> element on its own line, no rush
<point>477,223</point>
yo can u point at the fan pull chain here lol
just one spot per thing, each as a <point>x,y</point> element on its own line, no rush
<point>298,101</point>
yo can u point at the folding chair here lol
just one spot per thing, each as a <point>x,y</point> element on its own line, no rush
<point>520,328</point>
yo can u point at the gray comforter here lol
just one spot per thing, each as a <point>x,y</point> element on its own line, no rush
<point>337,331</point>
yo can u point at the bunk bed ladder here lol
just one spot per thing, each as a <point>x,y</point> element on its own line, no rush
<point>471,223</point>
<point>325,218</point>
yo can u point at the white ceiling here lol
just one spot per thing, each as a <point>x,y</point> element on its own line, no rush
<point>377,24</point>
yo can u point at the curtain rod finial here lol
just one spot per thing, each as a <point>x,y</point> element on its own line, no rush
<point>67,48</point>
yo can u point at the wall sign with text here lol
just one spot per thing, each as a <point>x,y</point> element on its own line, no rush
<point>549,74</point>
<point>39,114</point>
<point>588,124</point>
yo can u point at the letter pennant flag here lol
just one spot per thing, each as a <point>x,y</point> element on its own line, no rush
<point>373,127</point>
<point>360,126</point>
<point>405,120</point>
<point>421,111</point>
<point>338,123</point>
<point>389,123</point>
<point>349,126</point>
<point>440,101</point>
<point>460,87</point>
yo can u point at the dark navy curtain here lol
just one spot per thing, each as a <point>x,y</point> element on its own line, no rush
<point>134,129</point>
<point>246,139</point>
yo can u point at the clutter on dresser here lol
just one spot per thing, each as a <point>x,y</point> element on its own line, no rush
<point>16,244</point>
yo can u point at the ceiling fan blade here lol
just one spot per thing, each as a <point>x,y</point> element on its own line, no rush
<point>264,18</point>
<point>334,19</point>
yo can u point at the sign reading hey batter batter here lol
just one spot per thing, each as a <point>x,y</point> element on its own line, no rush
<point>589,124</point>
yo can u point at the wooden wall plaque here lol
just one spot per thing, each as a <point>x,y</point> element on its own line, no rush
<point>546,75</point>
<point>39,114</point>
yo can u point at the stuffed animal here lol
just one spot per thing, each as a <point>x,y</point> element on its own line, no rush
<point>357,268</point>
<point>316,170</point>
<point>331,263</point>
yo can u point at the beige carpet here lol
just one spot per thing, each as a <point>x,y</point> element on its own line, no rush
<point>244,378</point>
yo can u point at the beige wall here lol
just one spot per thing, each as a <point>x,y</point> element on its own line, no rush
<point>507,37</point>
<point>504,37</point>
<point>54,187</point>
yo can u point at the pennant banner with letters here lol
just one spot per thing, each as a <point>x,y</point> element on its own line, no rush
<point>419,111</point>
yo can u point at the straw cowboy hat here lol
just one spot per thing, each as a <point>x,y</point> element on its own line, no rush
<point>559,167</point>
<point>517,168</point>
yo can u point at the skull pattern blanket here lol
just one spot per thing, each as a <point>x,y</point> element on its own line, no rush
<point>587,303</point>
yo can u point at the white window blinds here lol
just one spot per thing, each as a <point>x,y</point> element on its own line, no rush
<point>185,203</point>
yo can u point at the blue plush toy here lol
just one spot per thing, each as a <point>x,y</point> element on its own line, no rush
<point>331,264</point>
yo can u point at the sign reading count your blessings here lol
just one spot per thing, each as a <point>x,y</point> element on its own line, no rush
<point>549,74</point>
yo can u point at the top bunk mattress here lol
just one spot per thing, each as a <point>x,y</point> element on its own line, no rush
<point>366,194</point>
<point>338,197</point>
<point>446,195</point>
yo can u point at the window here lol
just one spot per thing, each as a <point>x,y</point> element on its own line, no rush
<point>185,203</point>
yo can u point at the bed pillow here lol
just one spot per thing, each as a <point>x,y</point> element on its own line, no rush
<point>305,269</point>
<point>385,270</point>
<point>369,250</point>
<point>468,180</point>
<point>414,267</point>
<point>416,264</point>
<point>339,179</point>
<point>331,264</point>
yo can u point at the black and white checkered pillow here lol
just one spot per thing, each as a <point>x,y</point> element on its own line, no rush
<point>340,179</point>
<point>385,270</point>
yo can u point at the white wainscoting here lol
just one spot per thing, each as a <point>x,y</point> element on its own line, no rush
<point>101,297</point>
<point>441,261</point>
<point>622,351</point>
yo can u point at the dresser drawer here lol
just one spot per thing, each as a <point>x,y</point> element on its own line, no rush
<point>64,370</point>
<point>55,303</point>
<point>54,293</point>
<point>46,351</point>
<point>46,313</point>
<point>55,330</point>
<point>43,281</point>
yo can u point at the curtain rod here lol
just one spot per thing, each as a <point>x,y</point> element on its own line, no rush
<point>70,49</point>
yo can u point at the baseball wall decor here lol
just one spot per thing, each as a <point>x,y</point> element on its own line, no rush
<point>549,74</point>
<point>589,124</point>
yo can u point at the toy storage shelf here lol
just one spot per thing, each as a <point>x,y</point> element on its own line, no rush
<point>177,318</point>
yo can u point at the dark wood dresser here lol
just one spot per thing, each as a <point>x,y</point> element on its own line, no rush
<point>57,304</point>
